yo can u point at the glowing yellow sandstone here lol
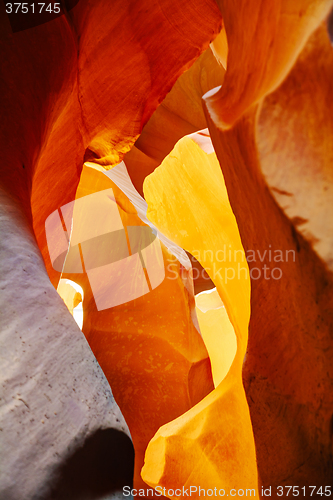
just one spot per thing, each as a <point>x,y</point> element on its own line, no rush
<point>212,444</point>
<point>69,295</point>
<point>217,332</point>
<point>188,201</point>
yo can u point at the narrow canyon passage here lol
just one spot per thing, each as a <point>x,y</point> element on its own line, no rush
<point>167,169</point>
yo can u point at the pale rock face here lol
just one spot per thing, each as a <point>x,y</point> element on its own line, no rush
<point>296,149</point>
<point>81,88</point>
<point>62,434</point>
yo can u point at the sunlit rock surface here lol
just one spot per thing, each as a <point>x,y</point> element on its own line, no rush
<point>69,295</point>
<point>80,86</point>
<point>179,114</point>
<point>123,59</point>
<point>217,332</point>
<point>149,348</point>
<point>189,178</point>
<point>214,440</point>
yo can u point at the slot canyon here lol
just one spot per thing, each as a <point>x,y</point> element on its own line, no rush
<point>166,249</point>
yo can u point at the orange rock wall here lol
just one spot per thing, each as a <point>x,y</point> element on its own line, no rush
<point>287,372</point>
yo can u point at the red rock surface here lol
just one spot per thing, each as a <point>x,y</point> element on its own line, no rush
<point>85,86</point>
<point>80,86</point>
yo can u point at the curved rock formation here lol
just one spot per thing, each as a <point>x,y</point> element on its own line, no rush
<point>286,389</point>
<point>69,93</point>
<point>119,75</point>
<point>264,41</point>
<point>217,332</point>
<point>214,439</point>
<point>288,386</point>
<point>89,84</point>
<point>148,347</point>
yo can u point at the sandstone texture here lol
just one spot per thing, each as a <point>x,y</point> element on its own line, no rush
<point>149,348</point>
<point>62,434</point>
<point>222,419</point>
<point>174,160</point>
<point>80,86</point>
<point>293,380</point>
